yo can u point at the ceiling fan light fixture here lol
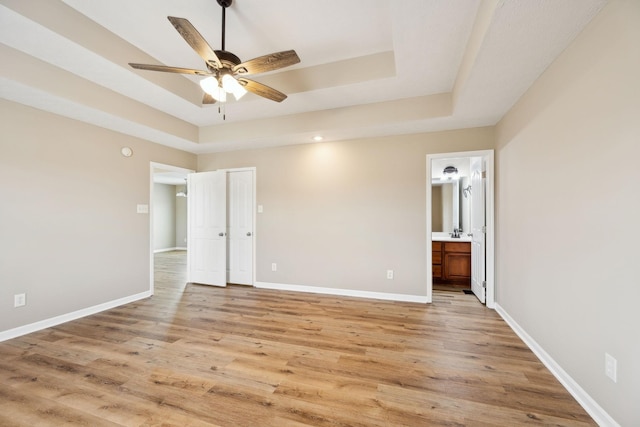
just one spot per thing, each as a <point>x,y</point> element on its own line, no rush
<point>211,86</point>
<point>231,85</point>
<point>223,67</point>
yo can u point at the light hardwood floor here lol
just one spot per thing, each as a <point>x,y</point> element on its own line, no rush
<point>202,356</point>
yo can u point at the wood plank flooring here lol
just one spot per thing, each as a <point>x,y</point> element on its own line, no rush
<point>202,356</point>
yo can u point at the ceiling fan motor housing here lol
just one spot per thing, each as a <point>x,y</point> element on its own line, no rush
<point>227,58</point>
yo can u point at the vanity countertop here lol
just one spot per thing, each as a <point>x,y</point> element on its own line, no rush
<point>445,237</point>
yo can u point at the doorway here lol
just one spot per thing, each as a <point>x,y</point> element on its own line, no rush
<point>481,235</point>
<point>172,176</point>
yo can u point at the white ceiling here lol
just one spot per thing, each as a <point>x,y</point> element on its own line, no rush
<point>169,177</point>
<point>368,67</point>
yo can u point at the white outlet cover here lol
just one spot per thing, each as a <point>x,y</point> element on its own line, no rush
<point>19,300</point>
<point>142,209</point>
<point>611,367</point>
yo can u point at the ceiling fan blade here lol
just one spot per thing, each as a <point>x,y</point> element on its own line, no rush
<point>262,90</point>
<point>208,99</point>
<point>195,40</point>
<point>170,69</point>
<point>265,63</point>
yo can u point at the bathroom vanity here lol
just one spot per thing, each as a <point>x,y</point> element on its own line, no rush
<point>451,261</point>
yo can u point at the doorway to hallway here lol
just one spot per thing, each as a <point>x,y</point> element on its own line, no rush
<point>167,224</point>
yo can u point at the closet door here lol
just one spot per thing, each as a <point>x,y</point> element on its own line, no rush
<point>240,222</point>
<point>206,230</point>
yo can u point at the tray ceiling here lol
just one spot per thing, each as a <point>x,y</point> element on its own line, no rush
<point>368,67</point>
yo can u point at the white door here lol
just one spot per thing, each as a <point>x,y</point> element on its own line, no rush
<point>206,230</point>
<point>478,246</point>
<point>240,227</point>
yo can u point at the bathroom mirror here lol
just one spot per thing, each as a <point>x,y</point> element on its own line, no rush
<point>445,214</point>
<point>450,205</point>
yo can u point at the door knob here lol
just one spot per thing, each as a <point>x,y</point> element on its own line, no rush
<point>221,234</point>
<point>470,234</point>
<point>248,234</point>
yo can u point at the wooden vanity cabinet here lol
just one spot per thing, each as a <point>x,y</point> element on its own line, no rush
<point>451,263</point>
<point>436,260</point>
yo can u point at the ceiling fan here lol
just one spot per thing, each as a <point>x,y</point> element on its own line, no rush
<point>225,72</point>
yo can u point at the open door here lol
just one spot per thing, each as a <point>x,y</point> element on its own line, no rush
<point>478,229</point>
<point>206,241</point>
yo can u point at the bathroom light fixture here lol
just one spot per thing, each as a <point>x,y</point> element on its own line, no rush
<point>450,172</point>
<point>183,193</point>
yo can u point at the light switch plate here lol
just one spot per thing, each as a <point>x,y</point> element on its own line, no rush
<point>142,209</point>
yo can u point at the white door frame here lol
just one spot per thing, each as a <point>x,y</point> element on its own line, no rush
<point>490,220</point>
<point>152,168</point>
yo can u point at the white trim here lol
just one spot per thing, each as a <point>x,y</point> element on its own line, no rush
<point>177,248</point>
<point>342,292</point>
<point>490,219</point>
<point>429,235</point>
<point>599,415</point>
<point>53,321</point>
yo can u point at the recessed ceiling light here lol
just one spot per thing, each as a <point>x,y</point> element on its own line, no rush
<point>317,138</point>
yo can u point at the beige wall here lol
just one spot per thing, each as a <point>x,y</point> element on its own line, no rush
<point>568,208</point>
<point>338,215</point>
<point>164,216</point>
<point>181,218</point>
<point>71,237</point>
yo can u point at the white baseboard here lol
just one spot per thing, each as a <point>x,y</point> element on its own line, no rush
<point>343,292</point>
<point>598,414</point>
<point>47,323</point>
<point>177,248</point>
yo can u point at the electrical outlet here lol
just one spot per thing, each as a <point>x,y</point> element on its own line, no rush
<point>389,274</point>
<point>19,300</point>
<point>611,367</point>
<point>274,266</point>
